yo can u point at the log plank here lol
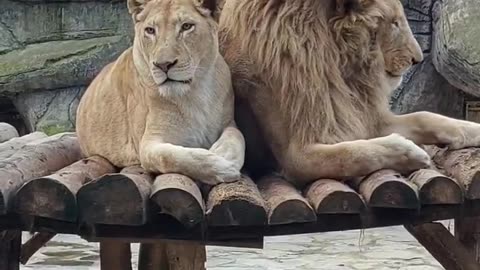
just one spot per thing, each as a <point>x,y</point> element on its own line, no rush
<point>236,204</point>
<point>387,189</point>
<point>117,199</point>
<point>10,147</point>
<point>180,197</point>
<point>333,197</point>
<point>285,204</point>
<point>36,159</point>
<point>54,196</point>
<point>435,188</point>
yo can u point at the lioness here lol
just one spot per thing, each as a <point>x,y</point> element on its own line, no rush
<point>315,78</point>
<point>167,102</point>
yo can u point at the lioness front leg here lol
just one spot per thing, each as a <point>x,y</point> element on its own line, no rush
<point>431,128</point>
<point>231,146</point>
<point>353,158</point>
<point>196,163</point>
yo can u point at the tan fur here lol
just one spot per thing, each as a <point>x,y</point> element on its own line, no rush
<point>131,114</point>
<point>315,78</point>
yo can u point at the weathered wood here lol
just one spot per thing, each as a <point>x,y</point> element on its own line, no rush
<point>120,198</point>
<point>236,204</point>
<point>467,231</point>
<point>10,245</point>
<point>464,166</point>
<point>180,197</point>
<point>7,132</point>
<point>285,204</point>
<point>34,244</point>
<point>36,159</point>
<point>10,147</point>
<point>333,197</point>
<point>172,256</point>
<point>387,189</point>
<point>451,254</point>
<point>115,255</point>
<point>54,196</point>
<point>435,188</point>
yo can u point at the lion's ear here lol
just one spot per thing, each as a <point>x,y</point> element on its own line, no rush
<point>344,7</point>
<point>209,6</point>
<point>135,7</point>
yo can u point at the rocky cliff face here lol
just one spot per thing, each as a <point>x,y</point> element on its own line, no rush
<point>50,50</point>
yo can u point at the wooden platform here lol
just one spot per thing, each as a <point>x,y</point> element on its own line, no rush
<point>46,186</point>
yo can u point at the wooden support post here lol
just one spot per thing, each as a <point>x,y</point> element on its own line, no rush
<point>172,256</point>
<point>443,246</point>
<point>467,231</point>
<point>34,244</point>
<point>285,204</point>
<point>10,245</point>
<point>115,255</point>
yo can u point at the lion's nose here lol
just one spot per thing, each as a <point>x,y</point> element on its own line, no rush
<point>165,66</point>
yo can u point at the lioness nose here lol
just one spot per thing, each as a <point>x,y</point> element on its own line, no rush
<point>165,66</point>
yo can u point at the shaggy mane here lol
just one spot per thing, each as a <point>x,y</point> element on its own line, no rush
<point>328,81</point>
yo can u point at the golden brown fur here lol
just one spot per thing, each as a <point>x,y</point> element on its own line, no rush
<point>167,102</point>
<point>315,78</point>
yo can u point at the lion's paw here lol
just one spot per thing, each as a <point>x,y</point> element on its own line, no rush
<point>468,136</point>
<point>403,154</point>
<point>218,170</point>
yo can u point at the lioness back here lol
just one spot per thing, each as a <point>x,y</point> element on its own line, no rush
<point>172,86</point>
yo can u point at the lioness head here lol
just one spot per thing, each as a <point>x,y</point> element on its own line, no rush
<point>175,42</point>
<point>379,26</point>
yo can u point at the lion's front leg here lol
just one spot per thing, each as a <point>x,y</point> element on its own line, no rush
<point>431,128</point>
<point>304,164</point>
<point>196,163</point>
<point>231,146</point>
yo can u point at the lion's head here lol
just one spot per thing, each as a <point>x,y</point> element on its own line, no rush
<point>377,30</point>
<point>176,42</point>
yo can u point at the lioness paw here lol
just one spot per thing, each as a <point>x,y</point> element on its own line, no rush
<point>403,154</point>
<point>217,170</point>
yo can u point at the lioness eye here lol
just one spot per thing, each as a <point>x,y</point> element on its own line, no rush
<point>187,26</point>
<point>150,30</point>
<point>396,23</point>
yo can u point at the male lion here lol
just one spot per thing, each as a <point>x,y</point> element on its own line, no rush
<point>167,102</point>
<point>315,78</point>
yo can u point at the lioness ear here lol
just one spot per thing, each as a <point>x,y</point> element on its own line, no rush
<point>135,7</point>
<point>209,6</point>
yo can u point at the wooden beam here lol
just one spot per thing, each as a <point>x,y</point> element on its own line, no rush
<point>10,245</point>
<point>285,204</point>
<point>8,148</point>
<point>436,188</point>
<point>236,204</point>
<point>464,166</point>
<point>115,255</point>
<point>180,197</point>
<point>172,256</point>
<point>333,197</point>
<point>7,132</point>
<point>467,231</point>
<point>443,246</point>
<point>54,196</point>
<point>388,189</point>
<point>34,244</point>
<point>36,159</point>
<point>119,199</point>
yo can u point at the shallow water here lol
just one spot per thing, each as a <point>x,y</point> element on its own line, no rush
<point>377,249</point>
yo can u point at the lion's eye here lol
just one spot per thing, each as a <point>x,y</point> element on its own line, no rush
<point>150,30</point>
<point>396,23</point>
<point>187,26</point>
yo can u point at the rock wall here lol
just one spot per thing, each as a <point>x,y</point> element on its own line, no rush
<point>50,50</point>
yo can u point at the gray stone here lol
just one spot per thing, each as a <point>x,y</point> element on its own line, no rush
<point>457,47</point>
<point>50,111</point>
